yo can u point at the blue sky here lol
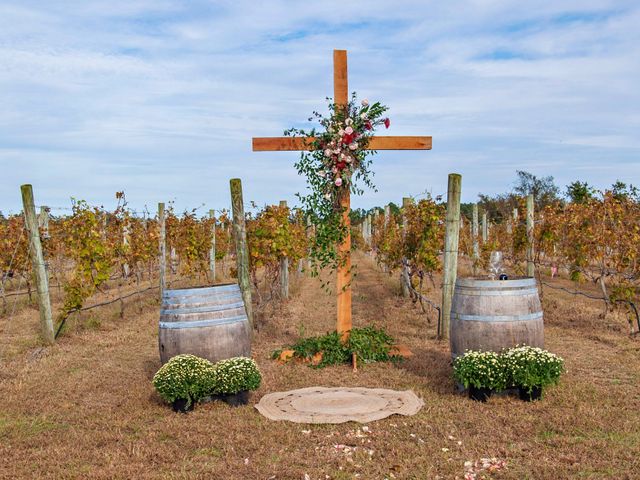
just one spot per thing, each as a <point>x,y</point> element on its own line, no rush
<point>160,98</point>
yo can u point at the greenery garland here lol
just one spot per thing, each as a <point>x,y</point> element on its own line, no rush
<point>337,162</point>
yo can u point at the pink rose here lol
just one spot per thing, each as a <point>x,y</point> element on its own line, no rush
<point>338,182</point>
<point>327,153</point>
<point>348,130</point>
<point>353,146</point>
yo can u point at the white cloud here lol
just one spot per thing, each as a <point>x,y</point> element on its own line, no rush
<point>162,97</point>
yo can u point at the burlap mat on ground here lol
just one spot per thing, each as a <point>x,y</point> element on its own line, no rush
<point>338,404</point>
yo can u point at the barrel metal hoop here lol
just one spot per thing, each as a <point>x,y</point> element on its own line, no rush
<point>497,318</point>
<point>203,323</point>
<point>213,308</point>
<point>494,293</point>
<point>474,283</point>
<point>202,291</point>
<point>213,295</point>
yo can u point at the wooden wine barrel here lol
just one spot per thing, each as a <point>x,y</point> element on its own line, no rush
<point>209,322</point>
<point>491,315</point>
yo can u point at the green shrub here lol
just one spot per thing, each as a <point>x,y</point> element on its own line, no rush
<point>184,376</point>
<point>369,344</point>
<point>480,370</point>
<point>531,367</point>
<point>235,375</point>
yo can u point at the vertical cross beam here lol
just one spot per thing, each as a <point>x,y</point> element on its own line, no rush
<point>343,284</point>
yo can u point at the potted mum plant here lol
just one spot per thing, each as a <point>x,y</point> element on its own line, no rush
<point>184,380</point>
<point>481,373</point>
<point>532,369</point>
<point>234,378</point>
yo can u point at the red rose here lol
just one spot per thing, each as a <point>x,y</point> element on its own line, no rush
<point>347,138</point>
<point>341,165</point>
<point>368,125</point>
<point>387,122</point>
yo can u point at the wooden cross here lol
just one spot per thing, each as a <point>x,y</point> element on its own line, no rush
<point>341,99</point>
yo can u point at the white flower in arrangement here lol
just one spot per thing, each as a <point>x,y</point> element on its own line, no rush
<point>363,116</point>
<point>353,146</point>
<point>341,132</point>
<point>365,102</point>
<point>321,174</point>
<point>349,159</point>
<point>327,196</point>
<point>338,182</point>
<point>336,151</point>
<point>348,130</point>
<point>348,122</point>
<point>327,153</point>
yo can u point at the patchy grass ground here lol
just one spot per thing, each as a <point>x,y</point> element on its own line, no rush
<point>85,408</point>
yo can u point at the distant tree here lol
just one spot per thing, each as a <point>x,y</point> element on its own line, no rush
<point>466,210</point>
<point>395,209</point>
<point>357,215</point>
<point>544,191</point>
<point>580,192</point>
<point>497,207</point>
<point>622,191</point>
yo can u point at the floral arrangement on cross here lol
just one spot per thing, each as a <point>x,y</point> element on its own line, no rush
<point>338,160</point>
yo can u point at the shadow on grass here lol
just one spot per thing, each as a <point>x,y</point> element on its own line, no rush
<point>431,365</point>
<point>150,367</point>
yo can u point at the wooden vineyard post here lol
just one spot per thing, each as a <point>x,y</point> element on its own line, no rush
<point>341,99</point>
<point>284,268</point>
<point>530,238</point>
<point>451,237</point>
<point>125,247</point>
<point>37,262</point>
<point>242,250</point>
<point>308,234</point>
<point>212,250</point>
<point>474,235</point>
<point>162,249</point>
<point>404,276</point>
<point>485,228</point>
<point>43,221</point>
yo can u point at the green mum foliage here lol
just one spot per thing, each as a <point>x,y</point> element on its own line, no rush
<point>236,375</point>
<point>185,376</point>
<point>531,367</point>
<point>480,370</point>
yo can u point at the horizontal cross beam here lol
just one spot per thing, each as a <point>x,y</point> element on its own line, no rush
<point>279,144</point>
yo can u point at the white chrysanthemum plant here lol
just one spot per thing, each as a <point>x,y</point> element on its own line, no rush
<point>532,367</point>
<point>185,377</point>
<point>234,375</point>
<point>480,370</point>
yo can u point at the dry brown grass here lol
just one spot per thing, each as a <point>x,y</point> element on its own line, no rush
<point>85,408</point>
